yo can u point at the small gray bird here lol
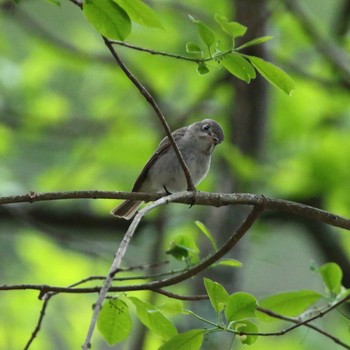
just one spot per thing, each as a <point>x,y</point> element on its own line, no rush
<point>163,172</point>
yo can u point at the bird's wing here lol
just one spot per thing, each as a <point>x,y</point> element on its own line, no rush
<point>162,148</point>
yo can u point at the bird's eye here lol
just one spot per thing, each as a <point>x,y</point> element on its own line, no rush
<point>206,127</point>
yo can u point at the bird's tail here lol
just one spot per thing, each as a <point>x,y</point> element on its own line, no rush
<point>126,210</point>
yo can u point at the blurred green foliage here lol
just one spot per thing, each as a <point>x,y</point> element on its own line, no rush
<point>70,120</point>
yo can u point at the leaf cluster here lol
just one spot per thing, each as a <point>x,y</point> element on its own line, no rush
<point>239,314</point>
<point>113,19</point>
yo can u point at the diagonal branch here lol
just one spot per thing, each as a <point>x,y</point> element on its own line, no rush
<point>149,98</point>
<point>117,261</point>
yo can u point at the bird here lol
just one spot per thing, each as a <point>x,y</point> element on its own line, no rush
<point>163,172</point>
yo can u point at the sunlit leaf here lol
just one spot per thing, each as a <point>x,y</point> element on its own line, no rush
<point>191,340</point>
<point>289,303</point>
<point>255,41</point>
<point>153,319</point>
<point>228,262</point>
<point>240,306</point>
<point>237,65</point>
<point>275,75</point>
<point>245,326</point>
<point>108,18</point>
<point>218,295</point>
<point>202,68</point>
<point>140,13</point>
<point>332,276</point>
<point>114,321</point>
<point>205,230</point>
<point>173,306</point>
<point>205,33</point>
<point>193,48</point>
<point>184,247</point>
<point>234,29</point>
<point>54,2</point>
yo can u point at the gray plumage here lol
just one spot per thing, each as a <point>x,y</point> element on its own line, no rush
<point>163,172</point>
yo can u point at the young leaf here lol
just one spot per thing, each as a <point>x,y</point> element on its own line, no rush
<point>332,276</point>
<point>190,340</point>
<point>253,42</point>
<point>178,252</point>
<point>193,48</point>
<point>153,319</point>
<point>246,326</point>
<point>237,65</point>
<point>140,13</point>
<point>205,230</point>
<point>108,18</point>
<point>228,262</point>
<point>276,76</point>
<point>217,294</point>
<point>289,303</point>
<point>240,306</point>
<point>234,29</point>
<point>202,68</point>
<point>205,33</point>
<point>184,247</point>
<point>174,307</point>
<point>114,321</point>
<point>54,2</point>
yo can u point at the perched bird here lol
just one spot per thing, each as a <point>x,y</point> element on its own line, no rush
<point>163,172</point>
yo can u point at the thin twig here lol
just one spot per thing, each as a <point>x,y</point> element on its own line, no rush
<point>181,297</point>
<point>38,324</point>
<point>159,53</point>
<point>306,322</point>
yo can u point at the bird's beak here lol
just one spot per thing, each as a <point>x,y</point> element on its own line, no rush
<point>215,139</point>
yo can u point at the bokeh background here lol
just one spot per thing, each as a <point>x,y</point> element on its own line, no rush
<point>71,120</point>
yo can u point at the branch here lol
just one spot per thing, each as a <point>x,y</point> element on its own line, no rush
<point>154,105</point>
<point>117,261</point>
<point>159,53</point>
<point>307,321</point>
<point>155,285</point>
<point>149,98</point>
<point>201,198</point>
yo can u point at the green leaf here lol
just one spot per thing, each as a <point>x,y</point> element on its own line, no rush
<point>114,321</point>
<point>174,307</point>
<point>245,326</point>
<point>193,48</point>
<point>205,33</point>
<point>153,319</point>
<point>108,18</point>
<point>54,2</point>
<point>178,252</point>
<point>184,247</point>
<point>237,65</point>
<point>234,29</point>
<point>190,340</point>
<point>240,306</point>
<point>140,13</point>
<point>332,276</point>
<point>289,303</point>
<point>228,262</point>
<point>205,230</point>
<point>202,68</point>
<point>253,42</point>
<point>218,295</point>
<point>275,75</point>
